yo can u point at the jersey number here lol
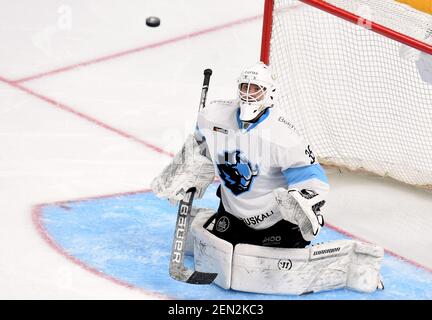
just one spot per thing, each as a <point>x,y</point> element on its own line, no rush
<point>310,154</point>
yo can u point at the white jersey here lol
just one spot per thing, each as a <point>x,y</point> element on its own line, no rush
<point>252,163</point>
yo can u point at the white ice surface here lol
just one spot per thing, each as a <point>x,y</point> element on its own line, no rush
<point>50,155</point>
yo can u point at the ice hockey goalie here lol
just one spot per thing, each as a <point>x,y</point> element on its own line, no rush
<point>272,197</point>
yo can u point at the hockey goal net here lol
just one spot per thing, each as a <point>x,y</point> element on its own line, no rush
<point>349,81</point>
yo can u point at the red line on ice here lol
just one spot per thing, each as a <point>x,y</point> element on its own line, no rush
<point>104,196</point>
<point>346,233</point>
<point>37,221</point>
<point>138,49</point>
<point>91,119</point>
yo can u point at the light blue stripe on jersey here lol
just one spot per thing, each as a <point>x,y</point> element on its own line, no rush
<point>300,174</point>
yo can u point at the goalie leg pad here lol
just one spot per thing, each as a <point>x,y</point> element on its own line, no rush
<point>328,266</point>
<point>365,267</point>
<point>333,265</point>
<point>211,254</point>
<point>290,271</point>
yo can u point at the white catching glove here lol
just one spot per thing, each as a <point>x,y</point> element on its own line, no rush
<point>301,207</point>
<point>187,169</point>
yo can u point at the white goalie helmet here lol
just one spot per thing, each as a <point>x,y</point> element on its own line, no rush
<point>256,91</point>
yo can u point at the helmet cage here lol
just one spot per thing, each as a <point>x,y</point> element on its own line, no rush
<point>251,97</point>
<point>256,91</point>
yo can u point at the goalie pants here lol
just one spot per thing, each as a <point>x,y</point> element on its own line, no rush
<point>282,234</point>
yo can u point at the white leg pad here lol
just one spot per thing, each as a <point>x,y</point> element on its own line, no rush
<point>327,266</point>
<point>365,267</point>
<point>211,254</point>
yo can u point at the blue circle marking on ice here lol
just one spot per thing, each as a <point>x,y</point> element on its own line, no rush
<point>129,238</point>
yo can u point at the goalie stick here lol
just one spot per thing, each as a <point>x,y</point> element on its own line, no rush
<point>177,269</point>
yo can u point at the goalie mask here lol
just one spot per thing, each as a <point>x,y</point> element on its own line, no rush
<point>256,91</point>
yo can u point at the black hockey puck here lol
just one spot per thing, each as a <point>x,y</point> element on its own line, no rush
<point>153,21</point>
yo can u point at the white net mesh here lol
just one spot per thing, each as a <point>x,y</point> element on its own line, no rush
<point>350,93</point>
